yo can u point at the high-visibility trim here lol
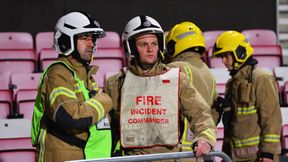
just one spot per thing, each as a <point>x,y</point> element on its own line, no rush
<point>42,137</point>
<point>186,145</point>
<point>271,138</point>
<point>188,72</point>
<point>246,110</point>
<point>95,86</point>
<point>77,88</point>
<point>246,142</point>
<point>210,133</point>
<point>61,91</point>
<point>98,106</point>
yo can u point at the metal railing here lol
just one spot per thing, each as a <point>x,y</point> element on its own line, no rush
<point>162,156</point>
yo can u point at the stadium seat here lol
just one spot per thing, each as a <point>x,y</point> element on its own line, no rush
<point>285,92</point>
<point>221,77</point>
<point>47,56</point>
<point>24,88</point>
<point>16,52</point>
<point>111,40</point>
<point>109,60</point>
<point>268,56</point>
<point>211,36</point>
<point>281,76</point>
<point>43,40</point>
<point>284,139</point>
<point>15,141</point>
<point>16,40</point>
<point>260,36</point>
<point>5,95</point>
<point>17,60</point>
<point>220,137</point>
<point>23,155</point>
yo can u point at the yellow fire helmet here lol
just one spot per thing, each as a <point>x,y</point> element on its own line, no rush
<point>235,42</point>
<point>184,36</point>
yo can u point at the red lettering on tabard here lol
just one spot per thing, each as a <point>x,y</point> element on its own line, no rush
<point>148,100</point>
<point>148,120</point>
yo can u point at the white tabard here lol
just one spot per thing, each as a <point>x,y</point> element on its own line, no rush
<point>150,110</point>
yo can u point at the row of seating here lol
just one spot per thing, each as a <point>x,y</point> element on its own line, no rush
<point>17,46</point>
<point>18,91</point>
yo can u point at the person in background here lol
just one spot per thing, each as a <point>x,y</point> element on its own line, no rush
<point>251,111</point>
<point>148,98</point>
<point>185,45</point>
<point>69,120</point>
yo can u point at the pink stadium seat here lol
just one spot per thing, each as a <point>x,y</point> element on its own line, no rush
<point>219,142</point>
<point>43,40</point>
<point>284,138</point>
<point>281,76</point>
<point>24,92</point>
<point>15,141</point>
<point>23,155</point>
<point>268,56</point>
<point>47,56</point>
<point>285,92</point>
<point>16,52</point>
<point>111,40</point>
<point>5,95</point>
<point>17,60</point>
<point>220,137</point>
<point>260,36</point>
<point>210,37</point>
<point>16,40</point>
<point>109,60</point>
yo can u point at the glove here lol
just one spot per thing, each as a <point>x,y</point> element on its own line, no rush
<point>221,103</point>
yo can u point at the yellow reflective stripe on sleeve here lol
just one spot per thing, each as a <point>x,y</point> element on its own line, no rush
<point>210,133</point>
<point>271,138</point>
<point>188,73</point>
<point>246,110</point>
<point>98,106</point>
<point>246,142</point>
<point>61,91</point>
<point>186,145</point>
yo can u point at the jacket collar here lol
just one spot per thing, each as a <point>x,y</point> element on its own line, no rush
<point>243,72</point>
<point>77,67</point>
<point>187,56</point>
<point>157,69</point>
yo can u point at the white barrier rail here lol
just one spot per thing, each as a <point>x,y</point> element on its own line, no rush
<point>162,156</point>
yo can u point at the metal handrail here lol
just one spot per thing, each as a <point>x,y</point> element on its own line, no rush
<point>160,156</point>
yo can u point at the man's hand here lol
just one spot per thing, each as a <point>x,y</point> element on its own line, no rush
<point>201,148</point>
<point>265,160</point>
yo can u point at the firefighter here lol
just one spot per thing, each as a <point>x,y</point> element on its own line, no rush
<point>69,120</point>
<point>185,46</point>
<point>148,98</point>
<point>252,118</point>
